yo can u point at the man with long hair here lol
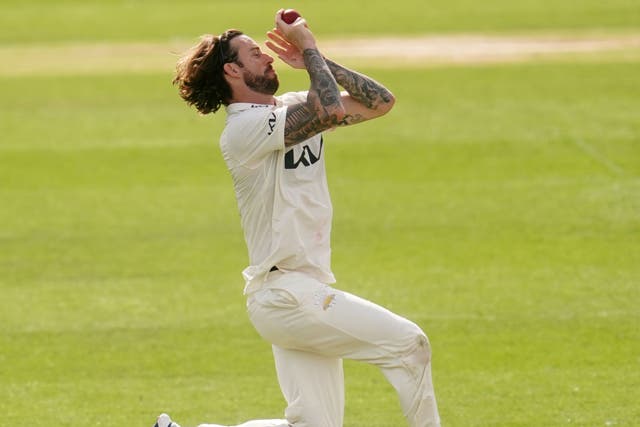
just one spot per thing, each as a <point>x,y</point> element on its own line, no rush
<point>274,149</point>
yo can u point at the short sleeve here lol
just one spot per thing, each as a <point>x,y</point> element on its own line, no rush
<point>253,134</point>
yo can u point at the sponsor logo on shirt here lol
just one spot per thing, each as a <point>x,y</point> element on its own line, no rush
<point>306,158</point>
<point>271,123</point>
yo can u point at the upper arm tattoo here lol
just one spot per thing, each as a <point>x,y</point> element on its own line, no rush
<point>301,124</point>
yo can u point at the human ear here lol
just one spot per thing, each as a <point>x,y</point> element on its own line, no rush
<point>231,69</point>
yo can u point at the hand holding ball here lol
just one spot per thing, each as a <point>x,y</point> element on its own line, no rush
<point>289,16</point>
<point>290,37</point>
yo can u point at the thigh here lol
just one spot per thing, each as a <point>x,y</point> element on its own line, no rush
<point>313,386</point>
<point>300,313</point>
<point>362,330</point>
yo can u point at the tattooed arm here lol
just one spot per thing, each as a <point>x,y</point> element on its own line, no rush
<point>323,108</point>
<point>366,98</point>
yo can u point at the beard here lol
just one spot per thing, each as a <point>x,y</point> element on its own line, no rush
<point>262,84</point>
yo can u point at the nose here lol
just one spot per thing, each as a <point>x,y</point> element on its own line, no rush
<point>269,58</point>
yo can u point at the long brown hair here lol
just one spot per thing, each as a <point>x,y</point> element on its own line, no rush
<point>200,74</point>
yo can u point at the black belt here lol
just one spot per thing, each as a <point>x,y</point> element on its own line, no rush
<point>274,268</point>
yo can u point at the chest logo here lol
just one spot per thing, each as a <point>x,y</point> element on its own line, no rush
<point>307,157</point>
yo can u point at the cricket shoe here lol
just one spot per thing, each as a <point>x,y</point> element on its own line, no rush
<point>165,421</point>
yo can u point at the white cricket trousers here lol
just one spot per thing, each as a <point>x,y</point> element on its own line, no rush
<point>312,327</point>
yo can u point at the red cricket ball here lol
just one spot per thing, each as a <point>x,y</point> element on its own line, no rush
<point>290,15</point>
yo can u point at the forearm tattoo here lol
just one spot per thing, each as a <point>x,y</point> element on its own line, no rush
<point>322,80</point>
<point>323,100</point>
<point>363,89</point>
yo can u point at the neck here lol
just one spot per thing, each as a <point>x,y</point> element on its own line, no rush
<point>252,97</point>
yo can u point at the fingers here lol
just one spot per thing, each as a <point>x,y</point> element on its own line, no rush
<point>278,43</point>
<point>296,34</point>
<point>279,21</point>
<point>279,16</point>
<point>275,48</point>
<point>278,38</point>
<point>280,24</point>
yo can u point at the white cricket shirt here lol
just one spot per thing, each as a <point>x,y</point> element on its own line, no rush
<point>282,192</point>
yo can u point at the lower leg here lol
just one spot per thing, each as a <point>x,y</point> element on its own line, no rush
<point>313,387</point>
<point>412,380</point>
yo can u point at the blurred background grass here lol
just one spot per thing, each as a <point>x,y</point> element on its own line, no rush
<point>43,21</point>
<point>498,206</point>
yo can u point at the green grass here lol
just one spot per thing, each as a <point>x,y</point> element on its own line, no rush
<point>44,21</point>
<point>496,206</point>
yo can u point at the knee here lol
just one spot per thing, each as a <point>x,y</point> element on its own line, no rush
<point>420,353</point>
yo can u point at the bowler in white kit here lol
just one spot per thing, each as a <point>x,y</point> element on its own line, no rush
<point>275,152</point>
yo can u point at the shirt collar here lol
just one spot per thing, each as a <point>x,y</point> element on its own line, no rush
<point>238,107</point>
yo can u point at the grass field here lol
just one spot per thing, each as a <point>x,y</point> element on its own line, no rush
<point>498,206</point>
<point>124,20</point>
